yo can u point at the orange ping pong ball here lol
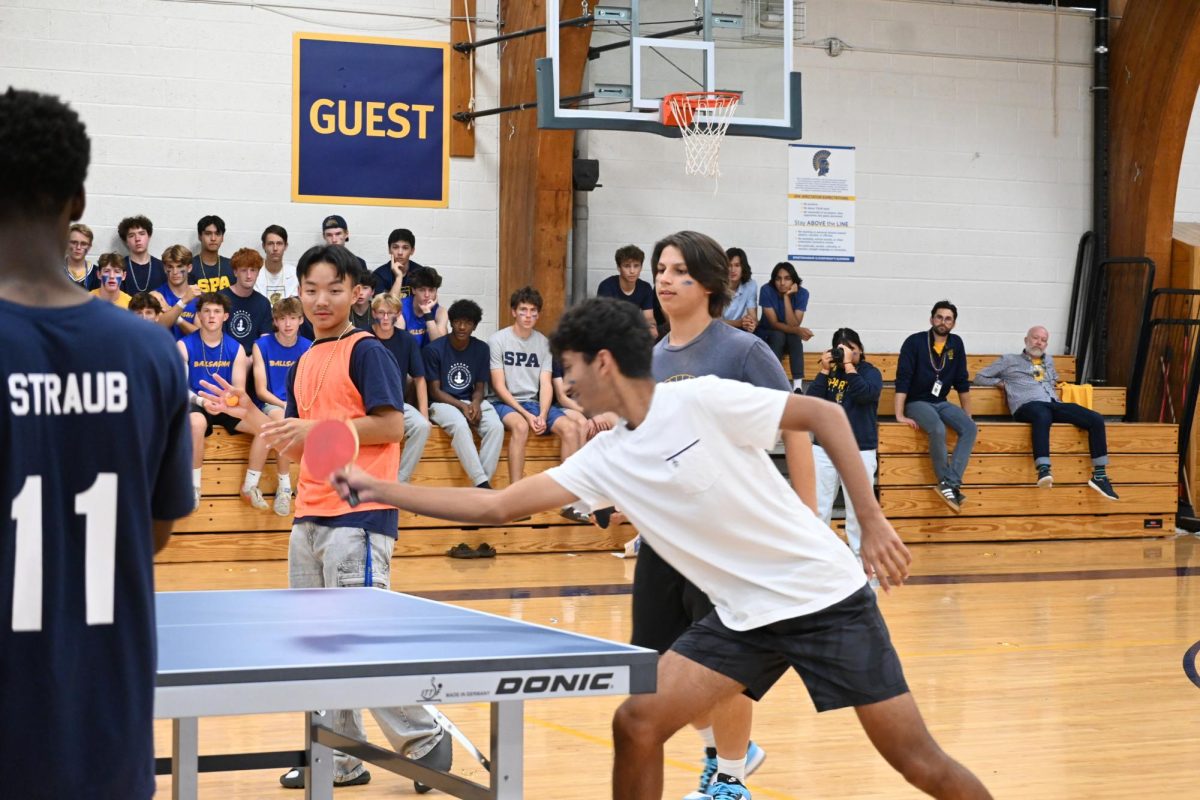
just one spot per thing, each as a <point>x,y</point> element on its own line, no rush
<point>231,400</point>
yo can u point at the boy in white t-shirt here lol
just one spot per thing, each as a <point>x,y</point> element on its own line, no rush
<point>698,484</point>
<point>277,280</point>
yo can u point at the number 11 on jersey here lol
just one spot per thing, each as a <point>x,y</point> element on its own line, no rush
<point>98,505</point>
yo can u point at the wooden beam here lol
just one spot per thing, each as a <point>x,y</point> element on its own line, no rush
<point>1155,72</point>
<point>535,165</point>
<point>462,77</point>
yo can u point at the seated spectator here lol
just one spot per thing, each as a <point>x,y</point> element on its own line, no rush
<point>848,379</point>
<point>211,271</point>
<point>335,231</point>
<point>422,316</point>
<point>783,302</point>
<point>407,353</point>
<point>742,311</point>
<point>395,275</point>
<point>249,311</point>
<point>1030,380</point>
<point>522,392</point>
<point>456,366</point>
<point>628,285</point>
<point>79,243</point>
<point>110,271</point>
<point>360,309</point>
<point>589,425</point>
<point>207,353</point>
<point>146,306</point>
<point>177,296</point>
<point>277,280</point>
<point>273,357</point>
<point>932,363</point>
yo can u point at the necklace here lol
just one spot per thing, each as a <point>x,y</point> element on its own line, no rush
<point>207,359</point>
<point>133,274</point>
<point>320,378</point>
<point>937,368</point>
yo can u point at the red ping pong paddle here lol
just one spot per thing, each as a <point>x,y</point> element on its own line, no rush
<point>332,445</point>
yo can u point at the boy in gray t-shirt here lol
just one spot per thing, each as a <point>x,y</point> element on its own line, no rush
<point>522,392</point>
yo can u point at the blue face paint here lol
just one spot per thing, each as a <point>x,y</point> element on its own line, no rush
<point>687,282</point>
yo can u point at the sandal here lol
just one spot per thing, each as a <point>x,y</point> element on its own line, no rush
<point>485,550</point>
<point>461,550</point>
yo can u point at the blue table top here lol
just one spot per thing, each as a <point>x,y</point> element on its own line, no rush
<point>295,634</point>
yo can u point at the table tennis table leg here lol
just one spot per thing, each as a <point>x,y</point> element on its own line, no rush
<point>508,750</point>
<point>318,783</point>
<point>185,758</point>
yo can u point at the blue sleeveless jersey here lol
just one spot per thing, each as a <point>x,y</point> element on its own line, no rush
<point>96,444</point>
<point>413,322</point>
<point>203,362</point>
<point>279,360</point>
<point>187,315</point>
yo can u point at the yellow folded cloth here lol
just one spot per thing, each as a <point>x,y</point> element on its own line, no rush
<point>1078,393</point>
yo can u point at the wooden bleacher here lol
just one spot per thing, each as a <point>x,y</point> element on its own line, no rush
<point>1003,501</point>
<point>226,528</point>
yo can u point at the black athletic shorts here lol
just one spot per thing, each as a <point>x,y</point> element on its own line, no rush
<point>665,604</point>
<point>224,420</point>
<point>843,653</point>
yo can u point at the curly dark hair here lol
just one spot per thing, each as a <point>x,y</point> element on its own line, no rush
<point>465,309</point>
<point>44,153</point>
<point>605,323</point>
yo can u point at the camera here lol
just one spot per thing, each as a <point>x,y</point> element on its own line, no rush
<point>838,356</point>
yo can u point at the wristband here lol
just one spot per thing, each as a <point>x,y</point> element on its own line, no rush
<point>429,317</point>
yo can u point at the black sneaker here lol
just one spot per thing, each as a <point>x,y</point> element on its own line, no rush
<point>1102,485</point>
<point>440,758</point>
<point>294,779</point>
<point>1045,480</point>
<point>949,495</point>
<point>959,496</point>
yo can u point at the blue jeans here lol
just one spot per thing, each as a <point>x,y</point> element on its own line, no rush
<point>321,557</point>
<point>934,418</point>
<point>780,341</point>
<point>1040,414</point>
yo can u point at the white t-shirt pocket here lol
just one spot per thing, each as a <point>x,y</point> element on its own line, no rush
<point>691,467</point>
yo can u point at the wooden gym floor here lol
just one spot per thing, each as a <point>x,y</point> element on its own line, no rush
<point>1052,669</point>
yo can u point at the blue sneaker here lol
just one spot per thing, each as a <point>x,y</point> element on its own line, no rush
<point>755,756</point>
<point>706,775</point>
<point>727,788</point>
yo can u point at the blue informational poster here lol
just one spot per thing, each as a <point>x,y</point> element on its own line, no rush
<point>370,121</point>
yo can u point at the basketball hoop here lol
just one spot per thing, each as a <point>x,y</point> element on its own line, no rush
<point>702,119</point>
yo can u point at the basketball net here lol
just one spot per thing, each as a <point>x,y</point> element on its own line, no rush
<point>702,119</point>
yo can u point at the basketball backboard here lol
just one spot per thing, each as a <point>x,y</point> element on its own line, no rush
<point>642,50</point>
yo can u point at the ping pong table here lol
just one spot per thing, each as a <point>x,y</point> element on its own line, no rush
<point>318,650</point>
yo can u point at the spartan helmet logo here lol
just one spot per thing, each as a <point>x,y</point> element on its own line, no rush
<point>821,162</point>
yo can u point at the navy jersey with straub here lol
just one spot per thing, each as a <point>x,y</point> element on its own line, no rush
<point>93,420</point>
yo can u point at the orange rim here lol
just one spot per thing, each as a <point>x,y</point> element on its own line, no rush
<point>679,108</point>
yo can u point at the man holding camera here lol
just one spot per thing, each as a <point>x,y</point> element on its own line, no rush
<point>848,379</point>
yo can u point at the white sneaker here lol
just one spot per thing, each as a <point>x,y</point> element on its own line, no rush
<point>254,497</point>
<point>283,504</point>
<point>195,498</point>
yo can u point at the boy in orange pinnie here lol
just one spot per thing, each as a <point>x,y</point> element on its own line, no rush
<point>346,374</point>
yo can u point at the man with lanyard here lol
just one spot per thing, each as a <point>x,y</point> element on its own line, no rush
<point>931,364</point>
<point>1029,382</point>
<point>211,271</point>
<point>395,275</point>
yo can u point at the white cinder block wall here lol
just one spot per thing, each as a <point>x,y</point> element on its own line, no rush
<point>189,106</point>
<point>964,188</point>
<point>1187,197</point>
